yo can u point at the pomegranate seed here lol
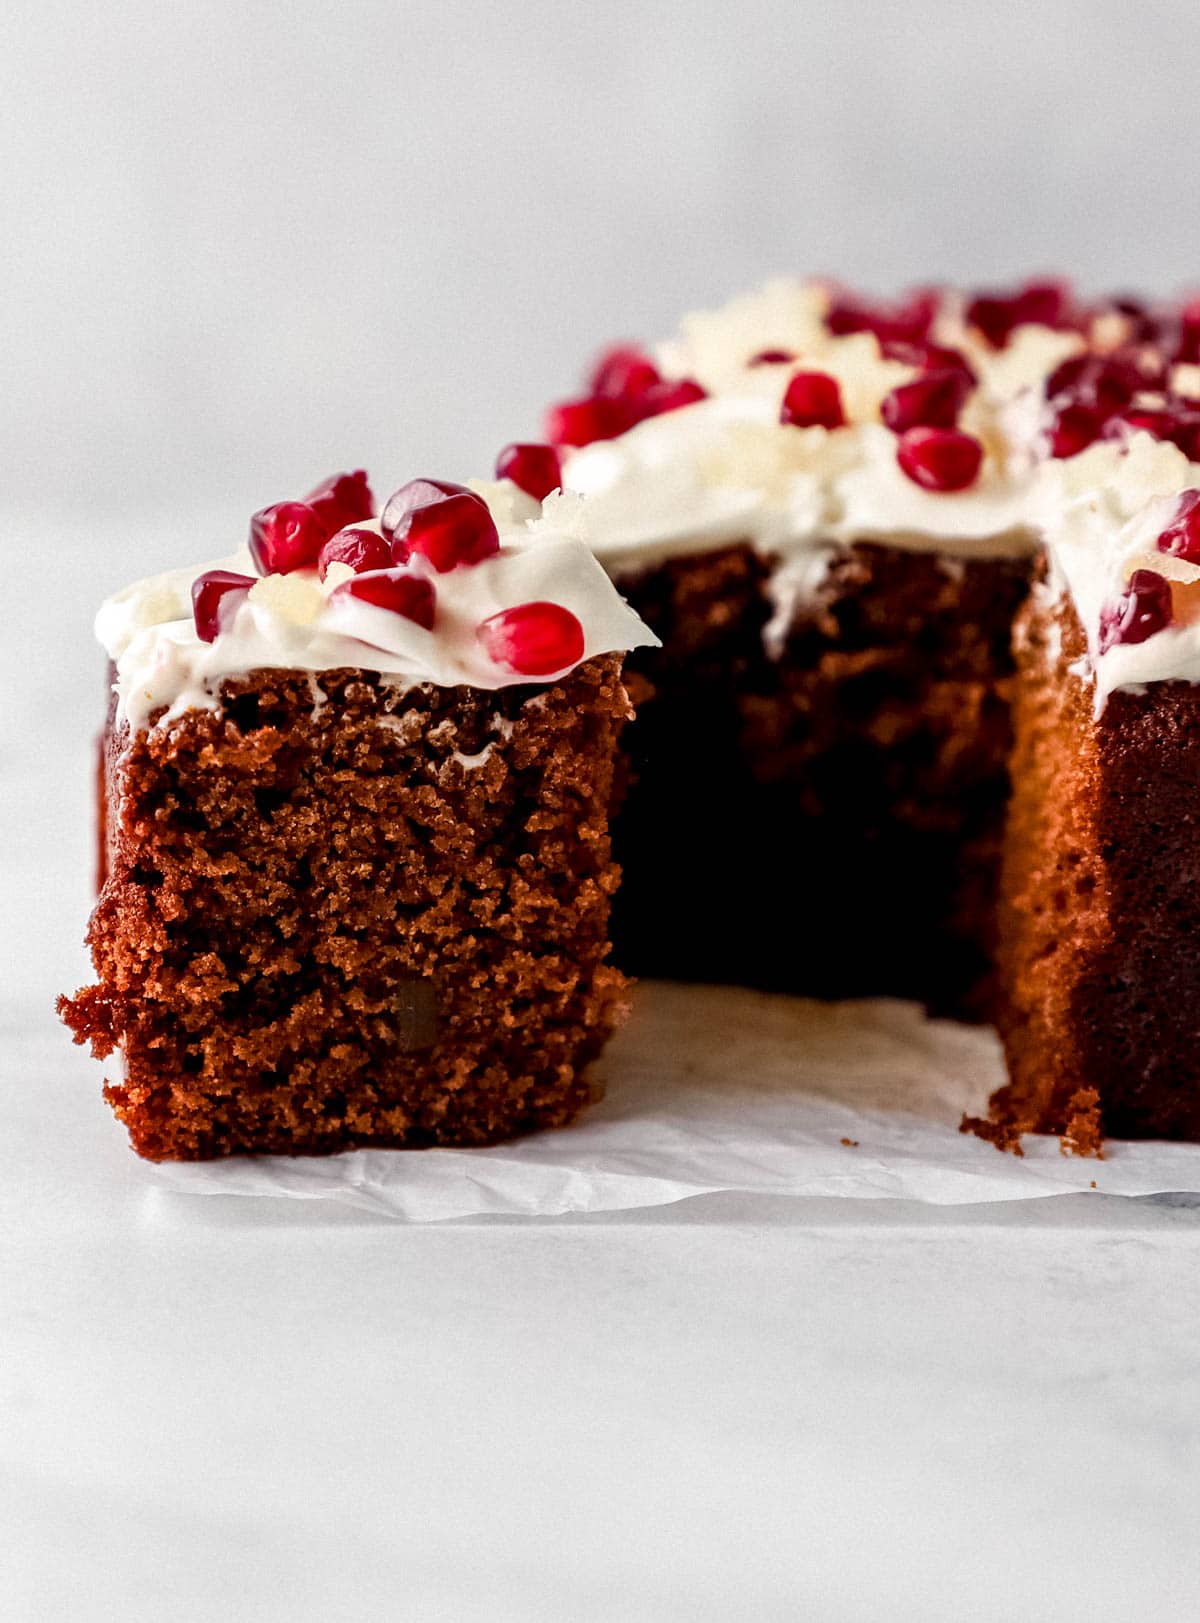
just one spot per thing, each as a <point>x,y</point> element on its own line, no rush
<point>1106,385</point>
<point>623,370</point>
<point>1150,419</point>
<point>1181,538</point>
<point>929,357</point>
<point>579,422</point>
<point>535,469</point>
<point>342,499</point>
<point>411,596</point>
<point>361,549</point>
<point>940,459</point>
<point>209,592</point>
<point>1145,325</point>
<point>1047,303</point>
<point>812,400</point>
<point>1184,427</point>
<point>285,537</point>
<point>933,401</point>
<point>1073,429</point>
<point>1189,333</point>
<point>668,396</point>
<point>1141,610</point>
<point>1152,367</point>
<point>401,504</point>
<point>534,639</point>
<point>902,323</point>
<point>771,357</point>
<point>447,523</point>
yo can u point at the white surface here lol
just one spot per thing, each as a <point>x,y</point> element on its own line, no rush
<point>242,1410</point>
<point>720,1090</point>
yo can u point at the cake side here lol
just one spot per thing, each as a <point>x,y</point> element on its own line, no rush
<point>379,917</point>
<point>1101,900</point>
<point>1055,917</point>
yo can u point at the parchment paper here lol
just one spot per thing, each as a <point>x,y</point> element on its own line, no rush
<point>719,1088</point>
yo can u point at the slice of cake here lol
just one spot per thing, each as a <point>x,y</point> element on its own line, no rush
<point>1100,895</point>
<point>355,796</point>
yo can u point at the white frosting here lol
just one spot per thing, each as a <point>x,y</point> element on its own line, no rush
<point>292,622</point>
<point>1102,513</point>
<point>727,470</point>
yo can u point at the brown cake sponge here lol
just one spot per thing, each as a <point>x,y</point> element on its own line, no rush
<point>337,913</point>
<point>1099,964</point>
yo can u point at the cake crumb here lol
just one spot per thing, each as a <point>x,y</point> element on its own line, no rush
<point>1005,1135</point>
<point>1083,1133</point>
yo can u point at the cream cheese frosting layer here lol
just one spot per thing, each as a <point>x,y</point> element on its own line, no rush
<point>726,468</point>
<point>293,622</point>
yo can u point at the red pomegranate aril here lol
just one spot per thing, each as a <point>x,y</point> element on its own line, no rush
<point>342,499</point>
<point>901,323</point>
<point>929,357</point>
<point>939,459</point>
<point>210,592</point>
<point>668,396</point>
<point>1073,429</point>
<point>1181,538</point>
<point>286,537</point>
<point>1141,610</point>
<point>1047,303</point>
<point>623,370</point>
<point>534,639</point>
<point>1189,333</point>
<point>771,357</point>
<point>1149,419</point>
<point>411,596</point>
<point>456,530</point>
<point>579,422</point>
<point>403,503</point>
<point>812,400</point>
<point>360,549</point>
<point>447,523</point>
<point>1144,324</point>
<point>1184,428</point>
<point>1104,385</point>
<point>535,469</point>
<point>933,400</point>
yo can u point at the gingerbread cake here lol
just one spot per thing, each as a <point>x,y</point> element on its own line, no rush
<point>916,716</point>
<point>831,512</point>
<point>354,812</point>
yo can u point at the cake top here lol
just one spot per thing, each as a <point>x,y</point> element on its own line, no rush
<point>801,418</point>
<point>439,588</point>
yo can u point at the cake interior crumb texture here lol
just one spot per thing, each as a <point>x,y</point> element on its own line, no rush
<point>1100,900</point>
<point>824,816</point>
<point>336,913</point>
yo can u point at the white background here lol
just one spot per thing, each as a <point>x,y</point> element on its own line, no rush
<point>245,244</point>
